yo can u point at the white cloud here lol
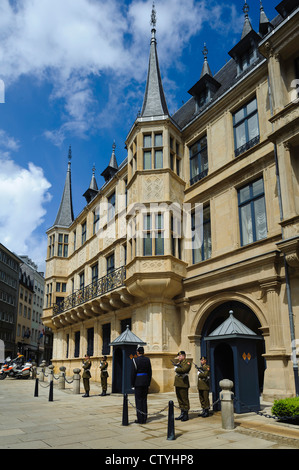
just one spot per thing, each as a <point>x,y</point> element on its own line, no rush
<point>23,194</point>
<point>69,42</point>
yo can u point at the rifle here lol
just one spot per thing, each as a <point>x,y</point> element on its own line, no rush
<point>198,368</point>
<point>175,364</point>
<point>201,371</point>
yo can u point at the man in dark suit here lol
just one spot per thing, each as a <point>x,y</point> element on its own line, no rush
<point>141,378</point>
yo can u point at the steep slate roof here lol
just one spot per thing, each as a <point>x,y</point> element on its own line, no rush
<point>65,215</point>
<point>227,77</point>
<point>154,103</point>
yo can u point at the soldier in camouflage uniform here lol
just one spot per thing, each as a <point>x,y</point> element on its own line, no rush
<point>181,383</point>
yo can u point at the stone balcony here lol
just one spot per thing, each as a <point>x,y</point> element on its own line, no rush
<point>105,295</point>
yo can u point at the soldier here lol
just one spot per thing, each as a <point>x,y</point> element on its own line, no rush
<point>203,386</point>
<point>104,375</point>
<point>181,383</point>
<point>141,377</point>
<point>86,375</point>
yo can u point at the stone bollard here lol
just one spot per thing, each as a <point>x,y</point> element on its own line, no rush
<point>51,373</point>
<point>42,371</point>
<point>61,380</point>
<point>227,404</point>
<point>76,379</point>
<point>34,371</point>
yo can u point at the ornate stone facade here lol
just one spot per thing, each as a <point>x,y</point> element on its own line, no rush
<point>235,156</point>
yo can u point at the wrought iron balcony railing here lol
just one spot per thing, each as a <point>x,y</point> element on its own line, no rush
<point>97,288</point>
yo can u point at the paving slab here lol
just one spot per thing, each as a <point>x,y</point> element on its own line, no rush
<point>73,422</point>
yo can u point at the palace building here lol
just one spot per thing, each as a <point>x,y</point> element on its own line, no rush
<point>200,219</point>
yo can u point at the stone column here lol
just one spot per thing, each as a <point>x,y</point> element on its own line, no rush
<point>276,83</point>
<point>272,288</point>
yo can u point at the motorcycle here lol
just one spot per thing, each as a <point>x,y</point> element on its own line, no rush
<point>12,369</point>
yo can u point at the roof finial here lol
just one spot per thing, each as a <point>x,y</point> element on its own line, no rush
<point>246,9</point>
<point>205,51</point>
<point>154,16</point>
<point>70,153</point>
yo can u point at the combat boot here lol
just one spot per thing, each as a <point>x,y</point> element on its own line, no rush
<point>205,413</point>
<point>181,415</point>
<point>185,416</point>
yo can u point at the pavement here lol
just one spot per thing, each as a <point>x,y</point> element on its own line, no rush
<point>73,422</point>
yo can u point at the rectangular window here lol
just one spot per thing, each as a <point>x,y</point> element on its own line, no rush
<point>158,159</point>
<point>90,341</point>
<point>147,235</point>
<point>110,263</point>
<point>159,234</point>
<point>147,141</point>
<point>94,273</point>
<point>246,127</point>
<point>96,218</point>
<point>77,344</point>
<point>111,207</point>
<point>202,248</point>
<point>198,160</point>
<point>252,212</point>
<point>81,279</point>
<point>74,235</point>
<point>83,228</point>
<point>147,160</point>
<point>158,140</point>
<point>106,339</point>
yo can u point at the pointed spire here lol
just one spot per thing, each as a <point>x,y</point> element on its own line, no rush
<point>93,187</point>
<point>265,25</point>
<point>154,103</point>
<point>113,162</point>
<point>112,168</point>
<point>247,25</point>
<point>205,68</point>
<point>93,184</point>
<point>65,214</point>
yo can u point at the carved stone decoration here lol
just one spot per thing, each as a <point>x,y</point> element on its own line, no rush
<point>290,248</point>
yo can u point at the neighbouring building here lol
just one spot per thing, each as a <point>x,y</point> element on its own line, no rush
<point>200,219</point>
<point>34,339</point>
<point>9,289</point>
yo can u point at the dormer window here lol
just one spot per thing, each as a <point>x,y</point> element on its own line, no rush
<point>247,59</point>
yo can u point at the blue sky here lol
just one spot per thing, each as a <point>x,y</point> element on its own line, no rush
<point>74,73</point>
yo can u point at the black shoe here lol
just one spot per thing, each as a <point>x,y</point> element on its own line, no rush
<point>137,421</point>
<point>205,413</point>
<point>181,416</point>
<point>103,394</point>
<point>86,395</point>
<point>185,417</point>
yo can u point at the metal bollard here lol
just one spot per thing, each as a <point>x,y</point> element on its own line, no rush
<point>36,388</point>
<point>227,404</point>
<point>76,381</point>
<point>51,390</point>
<point>61,380</point>
<point>170,429</point>
<point>125,421</point>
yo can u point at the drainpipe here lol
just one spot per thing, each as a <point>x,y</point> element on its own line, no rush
<point>286,267</point>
